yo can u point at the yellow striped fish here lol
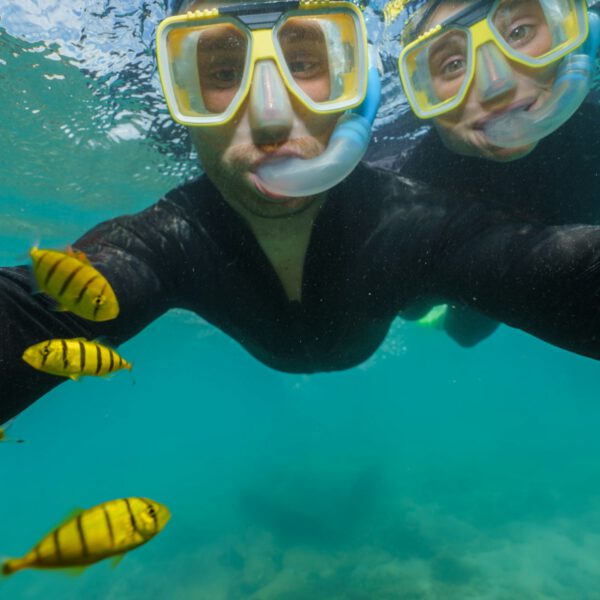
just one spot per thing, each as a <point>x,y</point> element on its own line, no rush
<point>74,358</point>
<point>74,283</point>
<point>108,529</point>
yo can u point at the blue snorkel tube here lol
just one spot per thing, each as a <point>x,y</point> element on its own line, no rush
<point>573,82</point>
<point>297,177</point>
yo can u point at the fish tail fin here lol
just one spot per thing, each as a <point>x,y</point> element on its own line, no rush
<point>12,565</point>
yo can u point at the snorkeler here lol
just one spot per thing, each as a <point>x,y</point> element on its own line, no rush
<point>311,282</point>
<point>503,85</point>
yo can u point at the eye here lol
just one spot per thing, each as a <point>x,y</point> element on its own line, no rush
<point>225,75</point>
<point>45,351</point>
<point>151,511</point>
<point>300,65</point>
<point>520,34</point>
<point>98,300</point>
<point>220,77</point>
<point>453,67</point>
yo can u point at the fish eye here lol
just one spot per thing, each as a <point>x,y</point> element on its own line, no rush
<point>98,300</point>
<point>45,351</point>
<point>151,511</point>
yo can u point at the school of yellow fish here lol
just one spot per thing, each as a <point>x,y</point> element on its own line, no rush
<point>112,528</point>
<point>75,285</point>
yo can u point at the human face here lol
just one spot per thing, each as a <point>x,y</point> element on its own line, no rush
<point>270,124</point>
<point>462,129</point>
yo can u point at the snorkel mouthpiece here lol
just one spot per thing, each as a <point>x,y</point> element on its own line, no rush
<point>573,82</point>
<point>297,177</point>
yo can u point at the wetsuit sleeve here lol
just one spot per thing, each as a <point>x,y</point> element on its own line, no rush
<point>542,279</point>
<point>139,257</point>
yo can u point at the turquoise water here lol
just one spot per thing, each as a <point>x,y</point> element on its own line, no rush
<point>428,473</point>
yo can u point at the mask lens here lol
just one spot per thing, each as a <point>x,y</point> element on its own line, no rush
<point>438,70</point>
<point>447,59</point>
<point>321,57</point>
<point>304,47</point>
<point>221,57</point>
<point>523,27</point>
<point>542,30</point>
<point>208,64</point>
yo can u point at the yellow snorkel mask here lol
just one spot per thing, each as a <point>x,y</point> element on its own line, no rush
<point>438,67</point>
<point>313,51</point>
<point>207,58</point>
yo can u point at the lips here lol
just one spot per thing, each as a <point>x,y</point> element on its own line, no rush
<point>259,185</point>
<point>280,155</point>
<point>521,105</point>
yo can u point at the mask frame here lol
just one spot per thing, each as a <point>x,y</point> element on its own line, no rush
<point>259,23</point>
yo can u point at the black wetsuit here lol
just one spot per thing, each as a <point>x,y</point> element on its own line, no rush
<point>556,184</point>
<point>379,245</point>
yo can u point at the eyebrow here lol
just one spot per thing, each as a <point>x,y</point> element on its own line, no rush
<point>221,40</point>
<point>302,31</point>
<point>459,17</point>
<point>512,3</point>
<point>441,45</point>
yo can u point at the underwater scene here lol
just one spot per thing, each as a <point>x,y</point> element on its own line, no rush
<point>429,472</point>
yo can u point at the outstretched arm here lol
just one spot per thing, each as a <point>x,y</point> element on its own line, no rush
<point>137,258</point>
<point>544,280</point>
<point>429,248</point>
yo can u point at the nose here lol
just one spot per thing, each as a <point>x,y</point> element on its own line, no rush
<point>270,110</point>
<point>493,73</point>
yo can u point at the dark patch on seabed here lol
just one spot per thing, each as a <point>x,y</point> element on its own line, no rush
<point>308,509</point>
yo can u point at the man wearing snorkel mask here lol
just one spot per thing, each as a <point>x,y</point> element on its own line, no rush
<point>262,91</point>
<point>503,82</point>
<point>306,272</point>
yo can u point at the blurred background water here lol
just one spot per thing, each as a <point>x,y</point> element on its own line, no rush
<point>429,472</point>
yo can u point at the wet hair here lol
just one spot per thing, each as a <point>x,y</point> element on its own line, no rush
<point>404,18</point>
<point>179,6</point>
<point>419,16</point>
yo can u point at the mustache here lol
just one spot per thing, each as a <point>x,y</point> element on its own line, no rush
<point>242,156</point>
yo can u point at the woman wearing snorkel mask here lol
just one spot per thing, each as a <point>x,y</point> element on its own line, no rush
<point>503,83</point>
<point>495,77</point>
